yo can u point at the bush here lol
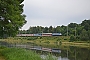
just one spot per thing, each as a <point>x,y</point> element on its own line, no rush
<point>72,38</point>
<point>65,39</point>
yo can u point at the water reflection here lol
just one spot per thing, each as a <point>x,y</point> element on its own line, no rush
<point>66,53</point>
<point>76,53</point>
<point>58,58</point>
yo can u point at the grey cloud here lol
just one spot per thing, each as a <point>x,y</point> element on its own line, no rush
<point>55,12</point>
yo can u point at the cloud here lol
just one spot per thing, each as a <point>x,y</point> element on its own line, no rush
<point>55,12</point>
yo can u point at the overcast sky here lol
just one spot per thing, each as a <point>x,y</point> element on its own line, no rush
<point>55,12</point>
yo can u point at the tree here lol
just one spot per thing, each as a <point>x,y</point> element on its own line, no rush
<point>84,35</point>
<point>64,30</point>
<point>89,35</point>
<point>86,24</point>
<point>72,28</point>
<point>46,30</point>
<point>72,38</point>
<point>11,17</point>
<point>79,29</point>
<point>58,29</point>
<point>50,29</point>
<point>72,25</point>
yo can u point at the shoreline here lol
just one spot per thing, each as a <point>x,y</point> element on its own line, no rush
<point>49,42</point>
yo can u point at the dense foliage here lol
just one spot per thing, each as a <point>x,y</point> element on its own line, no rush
<point>11,17</point>
<point>76,31</point>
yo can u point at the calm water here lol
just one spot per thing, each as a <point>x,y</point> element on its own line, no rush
<point>65,53</point>
<point>73,53</point>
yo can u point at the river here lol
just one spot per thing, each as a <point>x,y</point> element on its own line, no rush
<point>59,52</point>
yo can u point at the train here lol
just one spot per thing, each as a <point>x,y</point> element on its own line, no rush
<point>41,34</point>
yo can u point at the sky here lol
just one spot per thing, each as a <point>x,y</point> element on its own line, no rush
<point>55,12</point>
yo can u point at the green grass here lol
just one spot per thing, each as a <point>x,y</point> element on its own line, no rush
<point>50,41</point>
<point>21,54</point>
<point>50,57</point>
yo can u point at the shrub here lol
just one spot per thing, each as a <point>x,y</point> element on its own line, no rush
<point>65,39</point>
<point>72,38</point>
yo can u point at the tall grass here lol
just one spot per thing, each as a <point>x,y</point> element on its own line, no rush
<point>21,54</point>
<point>50,57</point>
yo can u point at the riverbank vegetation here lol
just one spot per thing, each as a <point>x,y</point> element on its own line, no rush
<point>21,54</point>
<point>44,41</point>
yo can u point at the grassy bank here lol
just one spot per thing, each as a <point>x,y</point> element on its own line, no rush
<point>1,57</point>
<point>53,41</point>
<point>59,41</point>
<point>20,54</point>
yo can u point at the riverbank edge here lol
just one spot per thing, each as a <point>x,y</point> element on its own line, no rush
<point>49,42</point>
<point>63,43</point>
<point>21,54</point>
<point>17,54</point>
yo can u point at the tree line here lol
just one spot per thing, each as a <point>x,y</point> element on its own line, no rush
<point>76,31</point>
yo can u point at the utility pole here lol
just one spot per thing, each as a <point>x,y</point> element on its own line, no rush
<point>67,53</point>
<point>67,30</point>
<point>75,31</point>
